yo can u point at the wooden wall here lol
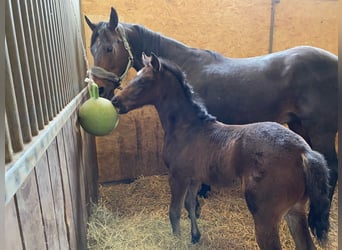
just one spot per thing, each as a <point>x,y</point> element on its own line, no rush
<point>231,27</point>
<point>51,163</point>
<point>51,208</point>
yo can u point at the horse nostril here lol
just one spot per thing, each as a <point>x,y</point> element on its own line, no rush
<point>109,49</point>
<point>101,90</point>
<point>115,101</point>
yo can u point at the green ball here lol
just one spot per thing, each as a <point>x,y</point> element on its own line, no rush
<point>98,116</point>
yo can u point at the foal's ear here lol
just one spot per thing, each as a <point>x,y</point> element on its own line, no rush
<point>90,24</point>
<point>114,19</point>
<point>145,59</point>
<point>155,63</point>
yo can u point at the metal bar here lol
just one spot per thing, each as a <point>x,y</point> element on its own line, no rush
<point>18,171</point>
<point>8,143</point>
<point>37,54</point>
<point>12,107</point>
<point>32,63</point>
<point>273,5</point>
<point>24,64</point>
<point>62,51</point>
<point>55,54</point>
<point>68,41</point>
<point>46,37</point>
<point>11,41</point>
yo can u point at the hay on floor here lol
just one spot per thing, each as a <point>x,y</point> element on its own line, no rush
<point>135,216</point>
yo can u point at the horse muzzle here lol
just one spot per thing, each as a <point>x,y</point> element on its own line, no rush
<point>118,105</point>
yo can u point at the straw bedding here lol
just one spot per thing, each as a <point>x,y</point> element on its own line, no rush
<point>135,216</point>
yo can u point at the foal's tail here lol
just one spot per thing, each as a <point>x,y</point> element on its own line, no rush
<point>317,175</point>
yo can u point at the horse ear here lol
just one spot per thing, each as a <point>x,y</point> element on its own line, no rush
<point>114,19</point>
<point>90,24</point>
<point>155,62</point>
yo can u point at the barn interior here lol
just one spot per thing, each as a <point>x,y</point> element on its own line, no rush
<point>68,189</point>
<point>131,153</point>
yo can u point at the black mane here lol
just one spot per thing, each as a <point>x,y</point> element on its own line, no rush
<point>193,98</point>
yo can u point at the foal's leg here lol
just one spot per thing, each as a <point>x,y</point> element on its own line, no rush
<point>178,189</point>
<point>191,205</point>
<point>298,224</point>
<point>267,231</point>
<point>266,221</point>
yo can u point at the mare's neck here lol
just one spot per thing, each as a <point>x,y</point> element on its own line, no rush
<point>145,40</point>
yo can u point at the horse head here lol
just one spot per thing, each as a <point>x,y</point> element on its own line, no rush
<point>144,89</point>
<point>111,52</point>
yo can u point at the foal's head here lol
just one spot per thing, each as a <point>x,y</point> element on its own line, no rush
<point>144,89</point>
<point>109,52</point>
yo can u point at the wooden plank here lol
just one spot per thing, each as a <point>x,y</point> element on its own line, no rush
<point>75,171</point>
<point>134,148</point>
<point>30,214</point>
<point>91,167</point>
<point>46,202</point>
<point>57,192</point>
<point>69,216</point>
<point>12,238</point>
<point>84,190</point>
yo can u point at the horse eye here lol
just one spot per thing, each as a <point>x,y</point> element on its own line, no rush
<point>101,90</point>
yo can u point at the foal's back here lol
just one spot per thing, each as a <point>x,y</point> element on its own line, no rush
<point>219,154</point>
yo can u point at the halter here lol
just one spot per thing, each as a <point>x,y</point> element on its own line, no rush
<point>101,73</point>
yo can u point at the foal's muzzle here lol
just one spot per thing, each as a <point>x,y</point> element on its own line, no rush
<point>117,104</point>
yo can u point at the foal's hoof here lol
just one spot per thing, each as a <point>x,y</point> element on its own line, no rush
<point>195,238</point>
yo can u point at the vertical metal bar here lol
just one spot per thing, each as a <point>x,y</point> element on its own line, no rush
<point>61,43</point>
<point>68,51</point>
<point>82,69</point>
<point>32,62</point>
<point>52,56</point>
<point>41,35</point>
<point>66,41</point>
<point>45,38</point>
<point>62,48</point>
<point>39,59</point>
<point>24,64</point>
<point>55,53</point>
<point>273,5</point>
<point>11,41</point>
<point>11,107</point>
<point>8,143</point>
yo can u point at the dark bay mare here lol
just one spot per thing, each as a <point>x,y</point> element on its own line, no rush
<point>297,86</point>
<point>278,170</point>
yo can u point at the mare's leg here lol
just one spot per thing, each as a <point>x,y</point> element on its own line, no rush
<point>197,206</point>
<point>191,206</point>
<point>178,187</point>
<point>296,126</point>
<point>205,189</point>
<point>298,224</point>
